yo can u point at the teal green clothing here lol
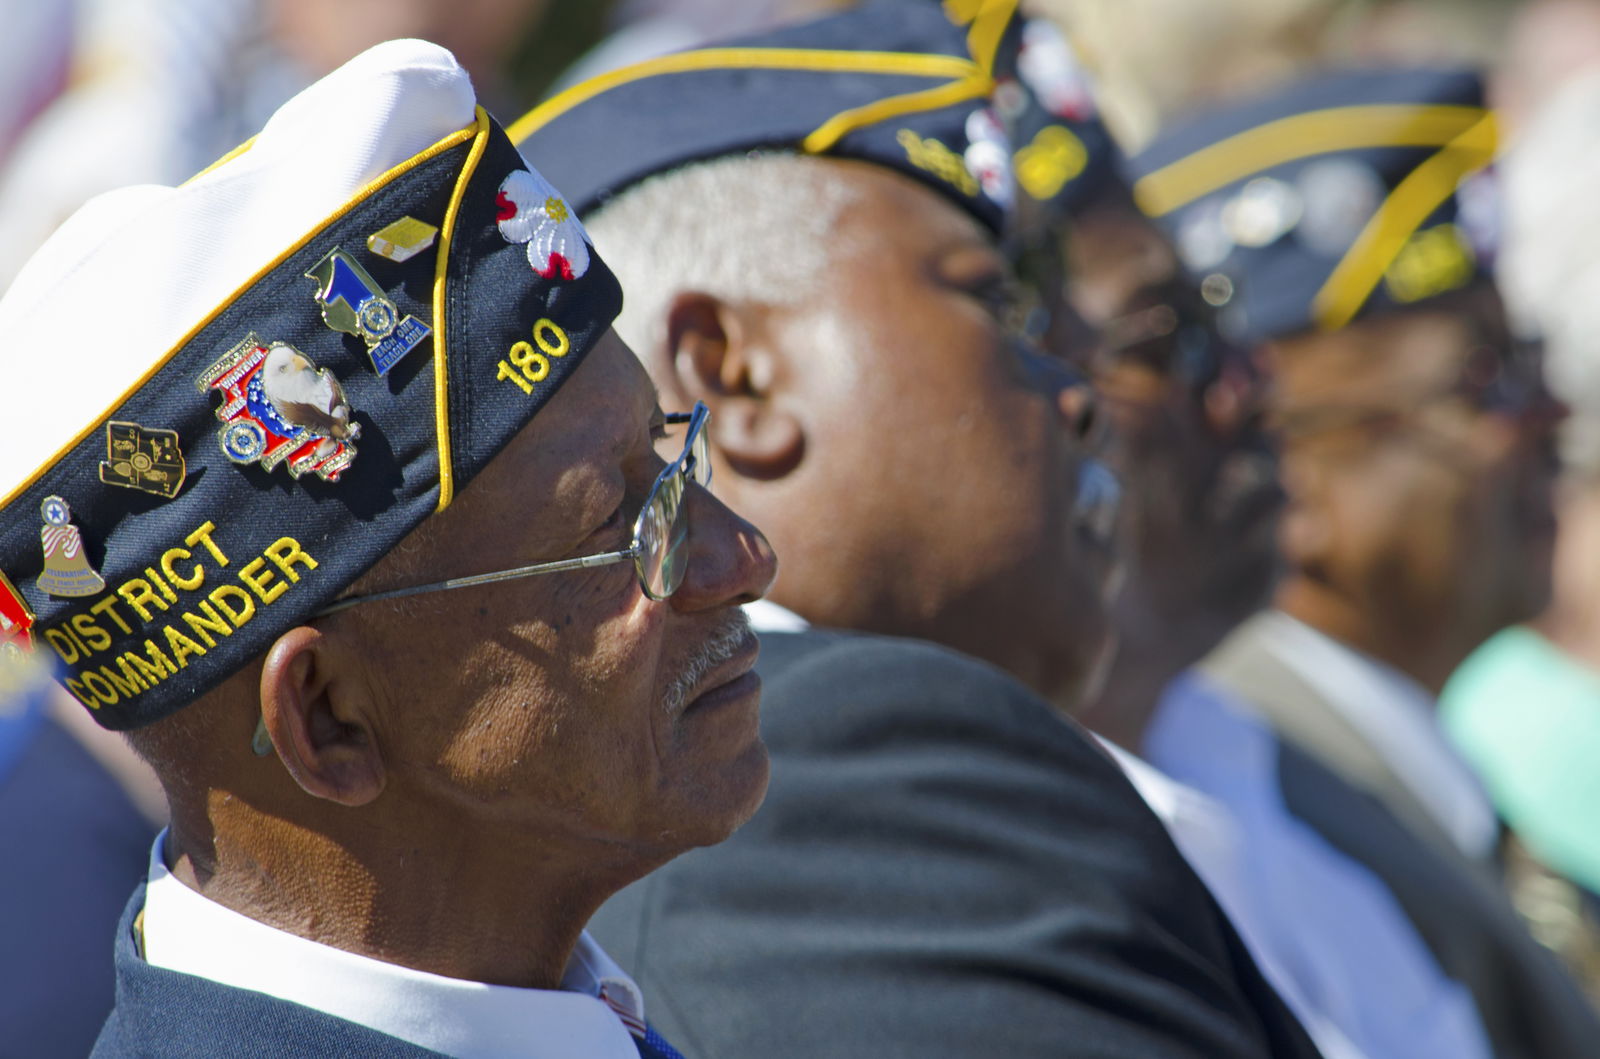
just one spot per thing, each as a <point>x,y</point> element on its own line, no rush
<point>1527,716</point>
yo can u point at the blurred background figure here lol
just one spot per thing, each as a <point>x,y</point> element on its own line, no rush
<point>1525,708</point>
<point>1211,53</point>
<point>78,812</point>
<point>1339,227</point>
<point>157,89</point>
<point>35,52</point>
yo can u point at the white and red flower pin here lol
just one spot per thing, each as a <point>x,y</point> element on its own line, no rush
<point>531,211</point>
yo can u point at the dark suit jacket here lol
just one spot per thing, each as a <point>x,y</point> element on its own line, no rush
<point>162,1014</point>
<point>942,867</point>
<point>1530,1007</point>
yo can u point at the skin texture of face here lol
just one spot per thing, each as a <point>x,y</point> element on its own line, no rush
<point>462,777</point>
<point>1419,522</point>
<point>910,466</point>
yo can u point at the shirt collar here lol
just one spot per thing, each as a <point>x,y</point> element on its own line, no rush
<point>189,933</point>
<point>1399,719</point>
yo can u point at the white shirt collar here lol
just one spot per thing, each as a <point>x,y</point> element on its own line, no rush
<point>186,932</point>
<point>1399,720</point>
<point>767,616</point>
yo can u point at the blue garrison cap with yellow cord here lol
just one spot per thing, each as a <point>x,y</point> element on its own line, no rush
<point>1341,196</point>
<point>896,83</point>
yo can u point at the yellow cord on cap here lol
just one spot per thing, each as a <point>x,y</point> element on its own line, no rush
<point>904,64</point>
<point>1301,136</point>
<point>1397,220</point>
<point>441,276</point>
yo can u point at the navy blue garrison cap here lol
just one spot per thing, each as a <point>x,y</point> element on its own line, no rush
<point>1346,195</point>
<point>896,83</point>
<point>226,401</point>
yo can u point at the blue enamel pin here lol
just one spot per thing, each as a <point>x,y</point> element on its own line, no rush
<point>353,302</point>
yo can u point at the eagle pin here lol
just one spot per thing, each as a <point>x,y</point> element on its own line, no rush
<point>279,407</point>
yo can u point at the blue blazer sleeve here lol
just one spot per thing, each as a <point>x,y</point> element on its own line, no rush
<point>943,866</point>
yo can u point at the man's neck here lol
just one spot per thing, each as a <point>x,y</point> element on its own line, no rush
<point>497,916</point>
<point>1424,651</point>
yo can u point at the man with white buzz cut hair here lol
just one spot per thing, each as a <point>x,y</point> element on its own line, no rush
<point>808,224</point>
<point>389,824</point>
<point>769,239</point>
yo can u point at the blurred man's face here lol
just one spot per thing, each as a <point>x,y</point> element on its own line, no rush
<point>946,469</point>
<point>1420,462</point>
<point>1181,412</point>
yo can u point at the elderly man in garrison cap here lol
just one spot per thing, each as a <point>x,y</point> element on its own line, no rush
<point>1345,228</point>
<point>364,359</point>
<point>809,224</point>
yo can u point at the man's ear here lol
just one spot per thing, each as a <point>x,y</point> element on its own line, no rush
<point>721,354</point>
<point>317,720</point>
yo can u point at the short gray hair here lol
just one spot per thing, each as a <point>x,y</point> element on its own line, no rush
<point>757,228</point>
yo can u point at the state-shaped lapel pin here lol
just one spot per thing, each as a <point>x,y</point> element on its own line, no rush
<point>352,302</point>
<point>143,459</point>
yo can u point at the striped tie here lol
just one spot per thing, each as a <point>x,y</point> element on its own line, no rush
<point>651,1044</point>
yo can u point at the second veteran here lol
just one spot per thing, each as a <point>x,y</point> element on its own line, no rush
<point>360,383</point>
<point>807,223</point>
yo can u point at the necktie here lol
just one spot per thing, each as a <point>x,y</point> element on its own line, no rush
<point>651,1044</point>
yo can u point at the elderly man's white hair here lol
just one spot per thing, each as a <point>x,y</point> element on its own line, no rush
<point>747,228</point>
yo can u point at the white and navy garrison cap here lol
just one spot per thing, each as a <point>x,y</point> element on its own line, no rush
<point>1344,195</point>
<point>227,400</point>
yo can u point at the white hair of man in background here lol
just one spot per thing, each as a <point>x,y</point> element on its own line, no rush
<point>756,229</point>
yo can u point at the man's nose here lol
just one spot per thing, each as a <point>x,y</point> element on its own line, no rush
<point>729,561</point>
<point>1069,388</point>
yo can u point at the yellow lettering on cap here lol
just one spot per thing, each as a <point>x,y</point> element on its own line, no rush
<point>108,607</point>
<point>136,593</point>
<point>90,633</point>
<point>207,622</point>
<point>252,574</point>
<point>188,584</point>
<point>126,664</point>
<point>85,697</point>
<point>182,646</point>
<point>154,671</point>
<point>203,536</point>
<point>126,689</point>
<point>247,606</point>
<point>285,552</point>
<point>63,644</point>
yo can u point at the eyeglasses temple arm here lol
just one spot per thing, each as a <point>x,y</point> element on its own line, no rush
<point>603,559</point>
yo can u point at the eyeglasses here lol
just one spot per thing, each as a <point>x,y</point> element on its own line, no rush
<point>659,533</point>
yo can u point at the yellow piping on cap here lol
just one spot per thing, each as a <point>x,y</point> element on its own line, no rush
<point>1401,214</point>
<point>224,160</point>
<point>360,196</point>
<point>441,276</point>
<point>909,64</point>
<point>842,124</point>
<point>1300,136</point>
<point>988,27</point>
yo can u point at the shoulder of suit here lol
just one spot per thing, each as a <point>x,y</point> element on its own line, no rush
<point>819,684</point>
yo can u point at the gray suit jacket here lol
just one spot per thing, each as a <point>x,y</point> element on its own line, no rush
<point>1337,783</point>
